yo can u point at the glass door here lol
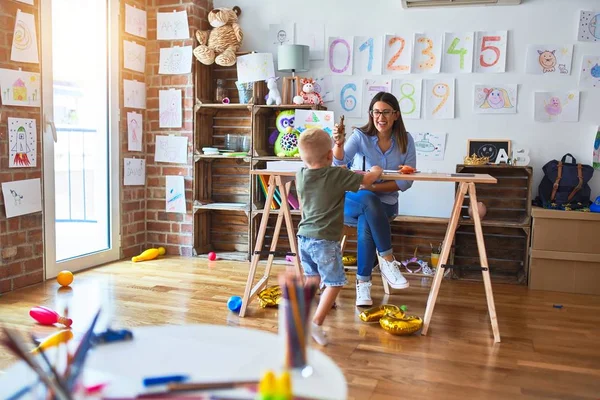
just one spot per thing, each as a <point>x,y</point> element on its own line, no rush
<point>81,133</point>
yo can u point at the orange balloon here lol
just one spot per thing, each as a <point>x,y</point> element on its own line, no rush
<point>64,278</point>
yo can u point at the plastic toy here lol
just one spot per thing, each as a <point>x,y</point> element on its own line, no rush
<point>149,254</point>
<point>234,303</point>
<point>273,97</point>
<point>111,335</point>
<point>212,256</point>
<point>225,38</point>
<point>595,206</point>
<point>64,278</point>
<point>47,316</point>
<point>55,339</point>
<point>272,387</point>
<point>286,144</point>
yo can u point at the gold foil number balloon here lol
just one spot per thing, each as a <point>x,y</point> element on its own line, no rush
<point>269,297</point>
<point>374,314</point>
<point>400,323</point>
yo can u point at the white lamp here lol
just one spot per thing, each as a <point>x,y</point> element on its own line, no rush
<point>292,58</point>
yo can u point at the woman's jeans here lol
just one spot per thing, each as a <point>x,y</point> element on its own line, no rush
<point>371,217</point>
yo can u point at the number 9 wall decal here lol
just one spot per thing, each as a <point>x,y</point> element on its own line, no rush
<point>340,55</point>
<point>439,98</point>
<point>490,51</point>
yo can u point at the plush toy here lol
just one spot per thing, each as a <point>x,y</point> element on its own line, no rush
<point>220,44</point>
<point>274,97</point>
<point>286,144</point>
<point>308,93</point>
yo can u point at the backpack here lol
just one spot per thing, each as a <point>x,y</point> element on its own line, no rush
<point>565,183</point>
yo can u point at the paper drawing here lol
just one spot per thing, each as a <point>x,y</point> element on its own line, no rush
<point>596,155</point>
<point>439,98</point>
<point>20,88</point>
<point>171,149</point>
<point>408,93</point>
<point>589,26</point>
<point>427,53</point>
<point>24,44</point>
<point>457,55</point>
<point>134,171</point>
<point>135,21</point>
<point>312,34</point>
<point>430,146</point>
<point>324,87</point>
<point>348,96</point>
<point>169,108</point>
<point>556,106</point>
<point>368,55</point>
<point>134,131</point>
<point>172,25</point>
<point>590,72</point>
<point>134,56</point>
<point>340,53</point>
<point>374,86</point>
<point>397,55</point>
<point>255,67</point>
<point>22,143</point>
<point>549,59</point>
<point>495,99</point>
<point>308,119</point>
<point>175,194</point>
<point>134,93</point>
<point>22,197</point>
<point>175,60</point>
<point>490,51</point>
<point>280,34</point>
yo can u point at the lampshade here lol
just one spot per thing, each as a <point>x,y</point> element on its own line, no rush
<point>292,58</point>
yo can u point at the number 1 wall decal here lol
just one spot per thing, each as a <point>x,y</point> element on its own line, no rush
<point>458,52</point>
<point>439,98</point>
<point>397,55</point>
<point>490,51</point>
<point>368,52</point>
<point>428,53</point>
<point>408,93</point>
<point>340,53</point>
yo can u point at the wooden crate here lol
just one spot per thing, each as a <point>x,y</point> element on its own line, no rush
<point>507,251</point>
<point>225,232</point>
<point>508,202</point>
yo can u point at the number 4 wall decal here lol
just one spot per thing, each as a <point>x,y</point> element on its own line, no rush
<point>490,51</point>
<point>458,52</point>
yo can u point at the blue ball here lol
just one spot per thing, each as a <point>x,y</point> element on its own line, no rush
<point>234,303</point>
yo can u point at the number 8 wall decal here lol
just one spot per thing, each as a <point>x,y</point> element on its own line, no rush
<point>490,51</point>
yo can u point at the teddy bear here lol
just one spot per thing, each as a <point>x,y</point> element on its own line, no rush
<point>308,93</point>
<point>220,44</point>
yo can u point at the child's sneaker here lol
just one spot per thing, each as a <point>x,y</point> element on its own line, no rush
<point>318,334</point>
<point>363,294</point>
<point>391,272</point>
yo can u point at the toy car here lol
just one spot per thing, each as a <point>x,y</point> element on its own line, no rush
<point>111,335</point>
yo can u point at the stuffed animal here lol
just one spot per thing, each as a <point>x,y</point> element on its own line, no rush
<point>308,92</point>
<point>286,144</point>
<point>274,97</point>
<point>220,44</point>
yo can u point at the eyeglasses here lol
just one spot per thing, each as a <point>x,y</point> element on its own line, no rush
<point>385,113</point>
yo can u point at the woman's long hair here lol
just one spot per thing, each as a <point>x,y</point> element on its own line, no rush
<point>399,134</point>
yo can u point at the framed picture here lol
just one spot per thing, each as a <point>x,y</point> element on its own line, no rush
<point>489,148</point>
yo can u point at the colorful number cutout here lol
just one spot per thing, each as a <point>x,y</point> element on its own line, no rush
<point>368,44</point>
<point>348,49</point>
<point>442,91</point>
<point>394,58</point>
<point>485,46</point>
<point>409,97</point>
<point>348,103</point>
<point>460,52</point>
<point>427,52</point>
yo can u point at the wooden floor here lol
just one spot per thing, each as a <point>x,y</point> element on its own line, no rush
<point>546,352</point>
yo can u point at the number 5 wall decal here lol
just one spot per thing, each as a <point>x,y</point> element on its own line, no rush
<point>491,51</point>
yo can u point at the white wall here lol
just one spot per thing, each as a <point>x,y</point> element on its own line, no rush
<point>533,22</point>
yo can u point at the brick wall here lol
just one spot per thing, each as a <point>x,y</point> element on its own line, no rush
<point>172,230</point>
<point>21,247</point>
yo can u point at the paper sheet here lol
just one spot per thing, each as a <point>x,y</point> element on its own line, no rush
<point>596,154</point>
<point>439,98</point>
<point>589,26</point>
<point>408,93</point>
<point>134,93</point>
<point>556,106</point>
<point>340,53</point>
<point>22,143</point>
<point>22,197</point>
<point>280,34</point>
<point>549,59</point>
<point>169,108</point>
<point>24,44</point>
<point>374,86</point>
<point>397,54</point>
<point>490,51</point>
<point>308,119</point>
<point>172,25</point>
<point>495,99</point>
<point>430,146</point>
<point>589,76</point>
<point>324,86</point>
<point>255,67</point>
<point>20,88</point>
<point>134,56</point>
<point>458,52</point>
<point>175,60</point>
<point>312,34</point>
<point>135,21</point>
<point>134,131</point>
<point>171,149</point>
<point>175,194</point>
<point>134,171</point>
<point>427,56</point>
<point>348,97</point>
<point>368,54</point>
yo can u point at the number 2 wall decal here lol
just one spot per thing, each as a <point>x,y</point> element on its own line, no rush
<point>397,54</point>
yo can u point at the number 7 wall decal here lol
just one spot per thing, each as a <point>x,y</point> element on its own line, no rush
<point>397,55</point>
<point>439,98</point>
<point>427,53</point>
<point>458,52</point>
<point>490,51</point>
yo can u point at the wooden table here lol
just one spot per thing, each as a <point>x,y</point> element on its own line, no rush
<point>466,184</point>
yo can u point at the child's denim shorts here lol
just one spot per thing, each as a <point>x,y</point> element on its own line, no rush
<point>322,258</point>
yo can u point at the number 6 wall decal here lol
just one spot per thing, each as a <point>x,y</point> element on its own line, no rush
<point>490,51</point>
<point>340,55</point>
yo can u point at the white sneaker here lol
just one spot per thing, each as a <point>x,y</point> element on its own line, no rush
<point>391,272</point>
<point>318,334</point>
<point>363,294</point>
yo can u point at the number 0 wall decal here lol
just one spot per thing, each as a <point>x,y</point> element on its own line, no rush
<point>340,51</point>
<point>490,51</point>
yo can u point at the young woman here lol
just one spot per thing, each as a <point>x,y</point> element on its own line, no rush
<point>384,142</point>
